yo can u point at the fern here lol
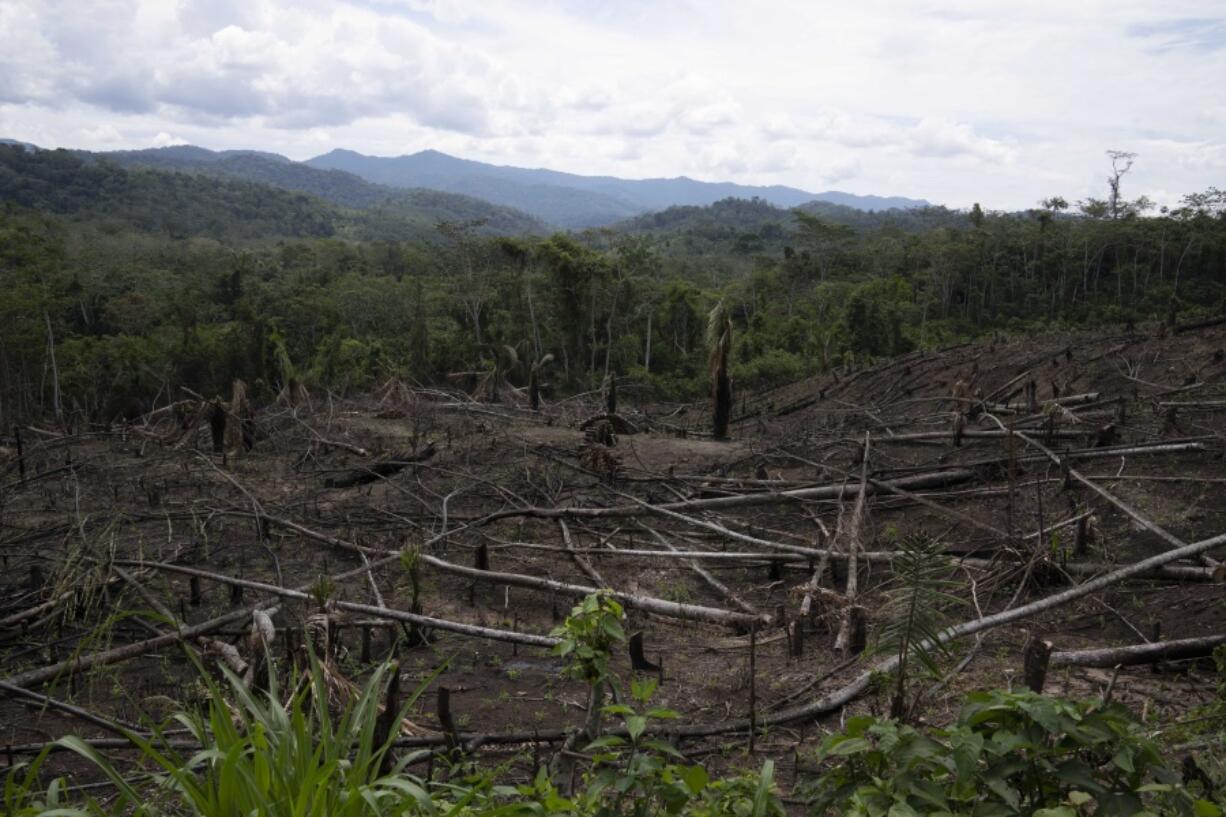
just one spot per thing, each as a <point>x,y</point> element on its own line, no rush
<point>916,611</point>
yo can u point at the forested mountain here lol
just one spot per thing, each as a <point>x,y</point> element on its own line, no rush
<point>568,199</point>
<point>419,204</point>
<point>501,195</point>
<point>146,278</point>
<point>178,205</point>
<point>240,196</point>
<point>755,225</point>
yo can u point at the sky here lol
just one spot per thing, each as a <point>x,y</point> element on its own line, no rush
<point>955,102</point>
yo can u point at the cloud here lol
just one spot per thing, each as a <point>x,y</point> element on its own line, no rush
<point>942,138</point>
<point>1197,34</point>
<point>304,68</point>
<point>164,139</point>
<point>877,96</point>
<point>119,92</point>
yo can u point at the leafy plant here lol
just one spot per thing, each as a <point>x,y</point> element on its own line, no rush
<point>263,757</point>
<point>914,612</point>
<point>1203,734</point>
<point>1009,753</point>
<point>588,636</point>
<point>24,798</point>
<point>639,776</point>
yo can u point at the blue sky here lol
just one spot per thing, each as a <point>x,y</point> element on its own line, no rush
<point>1002,103</point>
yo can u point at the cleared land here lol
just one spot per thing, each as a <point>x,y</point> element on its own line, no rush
<point>122,547</point>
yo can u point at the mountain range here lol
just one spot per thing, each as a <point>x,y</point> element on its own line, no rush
<point>548,198</point>
<point>508,199</point>
<point>571,200</point>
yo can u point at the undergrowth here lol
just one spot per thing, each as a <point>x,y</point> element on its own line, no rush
<point>1008,753</point>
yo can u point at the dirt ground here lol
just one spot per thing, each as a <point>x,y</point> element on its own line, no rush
<point>156,492</point>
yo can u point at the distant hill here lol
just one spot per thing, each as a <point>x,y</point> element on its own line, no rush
<point>15,143</point>
<point>571,200</point>
<point>335,186</point>
<point>734,218</point>
<point>180,205</point>
<point>183,204</point>
<point>508,199</point>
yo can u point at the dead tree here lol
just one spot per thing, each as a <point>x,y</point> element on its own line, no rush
<point>719,349</point>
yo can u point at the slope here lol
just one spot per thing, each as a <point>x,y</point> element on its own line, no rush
<point>336,186</point>
<point>223,206</point>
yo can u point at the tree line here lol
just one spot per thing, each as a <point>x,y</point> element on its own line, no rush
<point>103,314</point>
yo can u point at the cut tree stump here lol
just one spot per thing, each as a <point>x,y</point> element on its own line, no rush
<point>1035,659</point>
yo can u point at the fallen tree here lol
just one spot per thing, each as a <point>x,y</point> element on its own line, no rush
<point>1151,653</point>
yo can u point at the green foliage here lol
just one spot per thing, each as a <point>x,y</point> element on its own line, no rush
<point>915,611</point>
<point>875,316</point>
<point>177,205</point>
<point>24,798</point>
<point>633,772</point>
<point>772,368</point>
<point>588,636</point>
<point>1203,732</point>
<point>263,757</point>
<point>304,758</point>
<point>640,776</point>
<point>160,279</point>
<point>1009,753</point>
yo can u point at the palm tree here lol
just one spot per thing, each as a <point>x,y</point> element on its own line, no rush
<point>719,348</point>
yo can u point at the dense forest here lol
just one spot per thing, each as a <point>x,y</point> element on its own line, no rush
<point>122,284</point>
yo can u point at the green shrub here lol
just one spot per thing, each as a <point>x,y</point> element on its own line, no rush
<point>1009,753</point>
<point>769,369</point>
<point>263,757</point>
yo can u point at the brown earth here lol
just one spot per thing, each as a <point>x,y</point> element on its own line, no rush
<point>154,492</point>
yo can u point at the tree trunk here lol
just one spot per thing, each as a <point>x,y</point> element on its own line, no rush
<point>56,403</point>
<point>647,352</point>
<point>1139,653</point>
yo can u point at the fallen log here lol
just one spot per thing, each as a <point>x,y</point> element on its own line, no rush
<point>846,694</point>
<point>375,611</point>
<point>943,478</point>
<point>75,711</point>
<point>850,638</point>
<point>584,565</point>
<point>1129,511</point>
<point>1139,653</point>
<point>693,612</point>
<point>1191,327</point>
<point>922,436</point>
<point>940,479</point>
<point>715,584</point>
<point>87,662</point>
<point>1205,405</point>
<point>673,609</point>
<point>1181,573</point>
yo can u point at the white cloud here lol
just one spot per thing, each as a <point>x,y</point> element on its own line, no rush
<point>941,138</point>
<point>164,139</point>
<point>954,101</point>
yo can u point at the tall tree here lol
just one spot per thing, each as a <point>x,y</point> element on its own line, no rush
<point>719,349</point>
<point>1121,163</point>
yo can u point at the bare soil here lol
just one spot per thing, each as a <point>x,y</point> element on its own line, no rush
<point>156,492</point>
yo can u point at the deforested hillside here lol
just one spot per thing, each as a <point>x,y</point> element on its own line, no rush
<point>1056,502</point>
